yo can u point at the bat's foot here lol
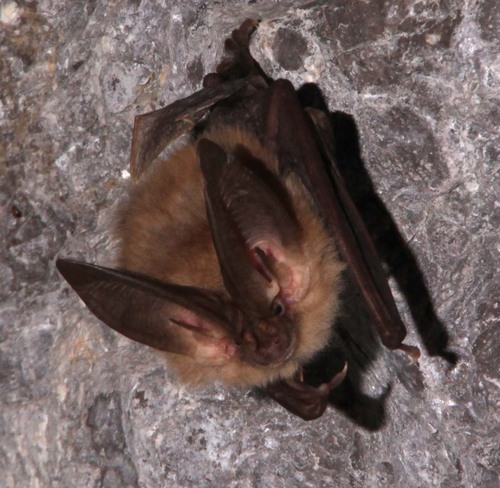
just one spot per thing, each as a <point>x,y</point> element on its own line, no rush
<point>238,62</point>
<point>412,351</point>
<point>240,37</point>
<point>306,401</point>
<point>212,79</point>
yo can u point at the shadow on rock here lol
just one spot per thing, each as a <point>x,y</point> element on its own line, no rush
<point>357,342</point>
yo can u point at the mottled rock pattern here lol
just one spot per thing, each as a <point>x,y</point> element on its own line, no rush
<point>82,407</point>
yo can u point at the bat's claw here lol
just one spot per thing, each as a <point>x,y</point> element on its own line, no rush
<point>212,79</point>
<point>241,36</point>
<point>306,401</point>
<point>337,378</point>
<point>239,63</point>
<point>412,351</point>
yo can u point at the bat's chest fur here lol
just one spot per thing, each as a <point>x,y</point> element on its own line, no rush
<point>163,232</point>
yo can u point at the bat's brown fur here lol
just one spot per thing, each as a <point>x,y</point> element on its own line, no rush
<point>164,233</point>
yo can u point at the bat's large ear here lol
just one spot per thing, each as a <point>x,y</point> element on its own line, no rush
<point>254,229</point>
<point>167,317</point>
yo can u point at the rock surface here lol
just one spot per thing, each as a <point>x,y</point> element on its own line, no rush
<point>82,407</point>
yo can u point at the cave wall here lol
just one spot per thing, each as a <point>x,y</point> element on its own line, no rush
<point>81,406</point>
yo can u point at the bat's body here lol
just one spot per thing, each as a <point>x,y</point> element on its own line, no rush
<point>165,234</point>
<point>227,258</point>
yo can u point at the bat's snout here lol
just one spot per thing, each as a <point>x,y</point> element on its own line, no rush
<point>268,343</point>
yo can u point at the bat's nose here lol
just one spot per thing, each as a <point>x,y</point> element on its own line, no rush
<point>269,343</point>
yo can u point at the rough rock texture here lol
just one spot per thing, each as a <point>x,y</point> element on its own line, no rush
<point>418,81</point>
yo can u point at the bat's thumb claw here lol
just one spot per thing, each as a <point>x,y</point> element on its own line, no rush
<point>412,351</point>
<point>337,378</point>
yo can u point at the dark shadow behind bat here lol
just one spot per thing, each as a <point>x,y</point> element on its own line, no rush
<point>391,246</point>
<point>355,341</point>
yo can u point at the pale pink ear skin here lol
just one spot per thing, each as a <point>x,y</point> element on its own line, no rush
<point>211,345</point>
<point>289,277</point>
<point>209,352</point>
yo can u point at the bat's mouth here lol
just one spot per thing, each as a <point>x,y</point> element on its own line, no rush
<point>286,356</point>
<point>269,344</point>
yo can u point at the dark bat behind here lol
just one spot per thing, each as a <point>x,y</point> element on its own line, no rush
<point>229,250</point>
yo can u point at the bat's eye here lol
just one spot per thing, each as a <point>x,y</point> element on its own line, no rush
<point>277,308</point>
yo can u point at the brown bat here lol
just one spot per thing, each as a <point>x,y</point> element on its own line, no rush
<point>229,249</point>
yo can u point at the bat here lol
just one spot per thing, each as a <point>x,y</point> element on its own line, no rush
<point>231,251</point>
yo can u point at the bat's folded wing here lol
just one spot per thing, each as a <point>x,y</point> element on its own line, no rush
<point>305,146</point>
<point>153,131</point>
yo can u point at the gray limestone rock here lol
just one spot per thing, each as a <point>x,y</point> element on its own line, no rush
<point>415,84</point>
